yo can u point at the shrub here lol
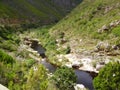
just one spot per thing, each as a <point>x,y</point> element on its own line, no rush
<point>13,76</point>
<point>6,73</point>
<point>30,62</point>
<point>64,78</point>
<point>8,45</point>
<point>116,31</point>
<point>37,79</point>
<point>6,58</point>
<point>108,78</point>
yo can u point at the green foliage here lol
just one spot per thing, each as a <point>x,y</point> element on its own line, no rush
<point>39,10</point>
<point>7,31</point>
<point>30,62</point>
<point>65,50</point>
<point>13,76</point>
<point>108,78</point>
<point>84,21</point>
<point>7,59</point>
<point>37,79</point>
<point>9,45</point>
<point>116,31</point>
<point>101,37</point>
<point>9,37</point>
<point>64,78</point>
<point>46,40</point>
<point>6,73</point>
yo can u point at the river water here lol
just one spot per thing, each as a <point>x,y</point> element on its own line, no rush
<point>82,77</point>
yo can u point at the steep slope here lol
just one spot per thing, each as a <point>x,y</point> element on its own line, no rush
<point>66,5</point>
<point>88,18</point>
<point>44,11</point>
<point>92,32</point>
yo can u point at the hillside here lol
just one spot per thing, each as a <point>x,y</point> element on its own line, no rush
<point>88,18</point>
<point>92,31</point>
<point>43,11</point>
<point>86,42</point>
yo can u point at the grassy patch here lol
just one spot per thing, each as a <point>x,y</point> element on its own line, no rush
<point>116,31</point>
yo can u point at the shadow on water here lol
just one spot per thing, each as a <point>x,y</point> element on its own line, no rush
<point>85,79</point>
<point>49,66</point>
<point>82,76</point>
<point>39,49</point>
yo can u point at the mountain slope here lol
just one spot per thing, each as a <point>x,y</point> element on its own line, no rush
<point>91,30</point>
<point>90,16</point>
<point>44,10</point>
<point>87,18</point>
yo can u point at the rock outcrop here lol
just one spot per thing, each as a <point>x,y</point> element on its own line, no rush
<point>3,87</point>
<point>79,87</point>
<point>103,46</point>
<point>106,28</point>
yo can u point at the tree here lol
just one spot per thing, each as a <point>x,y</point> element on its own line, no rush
<point>108,78</point>
<point>64,78</point>
<point>37,79</point>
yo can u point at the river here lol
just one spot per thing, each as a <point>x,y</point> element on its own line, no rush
<point>82,76</point>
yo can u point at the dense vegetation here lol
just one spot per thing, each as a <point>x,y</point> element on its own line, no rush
<point>37,11</point>
<point>64,78</point>
<point>108,78</point>
<point>85,20</point>
<point>25,75</point>
<point>18,71</point>
<point>37,79</point>
<point>6,58</point>
<point>17,75</point>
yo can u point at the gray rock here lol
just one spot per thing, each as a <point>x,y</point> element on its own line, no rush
<point>105,28</point>
<point>79,87</point>
<point>101,46</point>
<point>99,66</point>
<point>3,87</point>
<point>112,24</point>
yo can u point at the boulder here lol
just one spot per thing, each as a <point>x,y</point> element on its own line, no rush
<point>117,22</point>
<point>3,87</point>
<point>79,87</point>
<point>107,9</point>
<point>76,65</point>
<point>105,28</point>
<point>116,47</point>
<point>101,46</point>
<point>112,24</point>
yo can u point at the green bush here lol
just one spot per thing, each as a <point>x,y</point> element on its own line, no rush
<point>116,31</point>
<point>8,45</point>
<point>108,78</point>
<point>37,79</point>
<point>13,76</point>
<point>64,78</point>
<point>6,73</point>
<point>7,59</point>
<point>30,62</point>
